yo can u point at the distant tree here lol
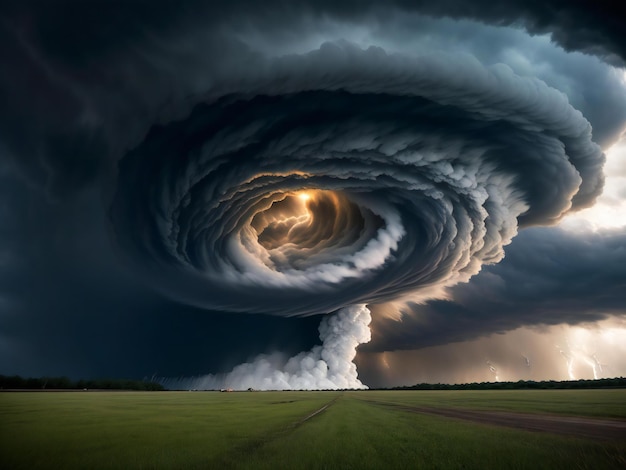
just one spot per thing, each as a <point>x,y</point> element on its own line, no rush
<point>616,382</point>
<point>64,383</point>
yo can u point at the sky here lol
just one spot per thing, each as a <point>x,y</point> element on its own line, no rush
<point>313,194</point>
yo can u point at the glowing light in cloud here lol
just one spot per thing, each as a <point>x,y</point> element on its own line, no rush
<point>400,203</point>
<point>316,160</point>
<point>560,352</point>
<point>304,196</point>
<point>334,178</point>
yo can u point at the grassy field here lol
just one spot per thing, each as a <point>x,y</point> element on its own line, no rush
<point>271,430</point>
<point>592,403</point>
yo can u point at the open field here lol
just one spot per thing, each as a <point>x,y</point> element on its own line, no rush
<point>374,429</point>
<point>607,403</point>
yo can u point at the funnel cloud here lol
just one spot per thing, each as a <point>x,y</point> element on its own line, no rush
<point>187,187</point>
<point>326,367</point>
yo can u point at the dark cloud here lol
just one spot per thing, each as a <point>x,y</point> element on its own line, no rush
<point>139,140</point>
<point>589,26</point>
<point>549,276</point>
<point>591,87</point>
<point>68,307</point>
<point>447,167</point>
<point>559,352</point>
<point>83,83</point>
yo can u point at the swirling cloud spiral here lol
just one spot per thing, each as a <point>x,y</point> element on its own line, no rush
<point>348,176</point>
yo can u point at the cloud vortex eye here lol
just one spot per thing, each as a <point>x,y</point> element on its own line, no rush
<point>348,176</point>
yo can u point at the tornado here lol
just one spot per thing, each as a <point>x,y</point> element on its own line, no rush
<point>327,181</point>
<point>325,367</point>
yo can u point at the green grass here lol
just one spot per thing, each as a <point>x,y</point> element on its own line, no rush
<point>266,430</point>
<point>591,403</point>
<point>140,429</point>
<point>355,435</point>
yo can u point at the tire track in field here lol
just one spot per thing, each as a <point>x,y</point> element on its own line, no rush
<point>249,447</point>
<point>315,413</point>
<point>577,426</point>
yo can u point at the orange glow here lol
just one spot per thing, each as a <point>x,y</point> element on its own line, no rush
<point>308,194</point>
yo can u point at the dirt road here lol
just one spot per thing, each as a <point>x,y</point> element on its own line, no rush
<point>578,426</point>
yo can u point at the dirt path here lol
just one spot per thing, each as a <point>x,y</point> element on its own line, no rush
<point>578,426</point>
<point>317,411</point>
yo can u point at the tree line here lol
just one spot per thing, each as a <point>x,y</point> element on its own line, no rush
<point>617,382</point>
<point>65,383</point>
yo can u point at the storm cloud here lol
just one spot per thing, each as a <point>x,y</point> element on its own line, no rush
<point>445,166</point>
<point>549,277</point>
<point>195,162</point>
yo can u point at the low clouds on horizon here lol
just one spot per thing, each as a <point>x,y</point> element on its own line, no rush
<point>135,141</point>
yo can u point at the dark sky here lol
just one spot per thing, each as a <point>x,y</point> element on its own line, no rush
<point>440,144</point>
